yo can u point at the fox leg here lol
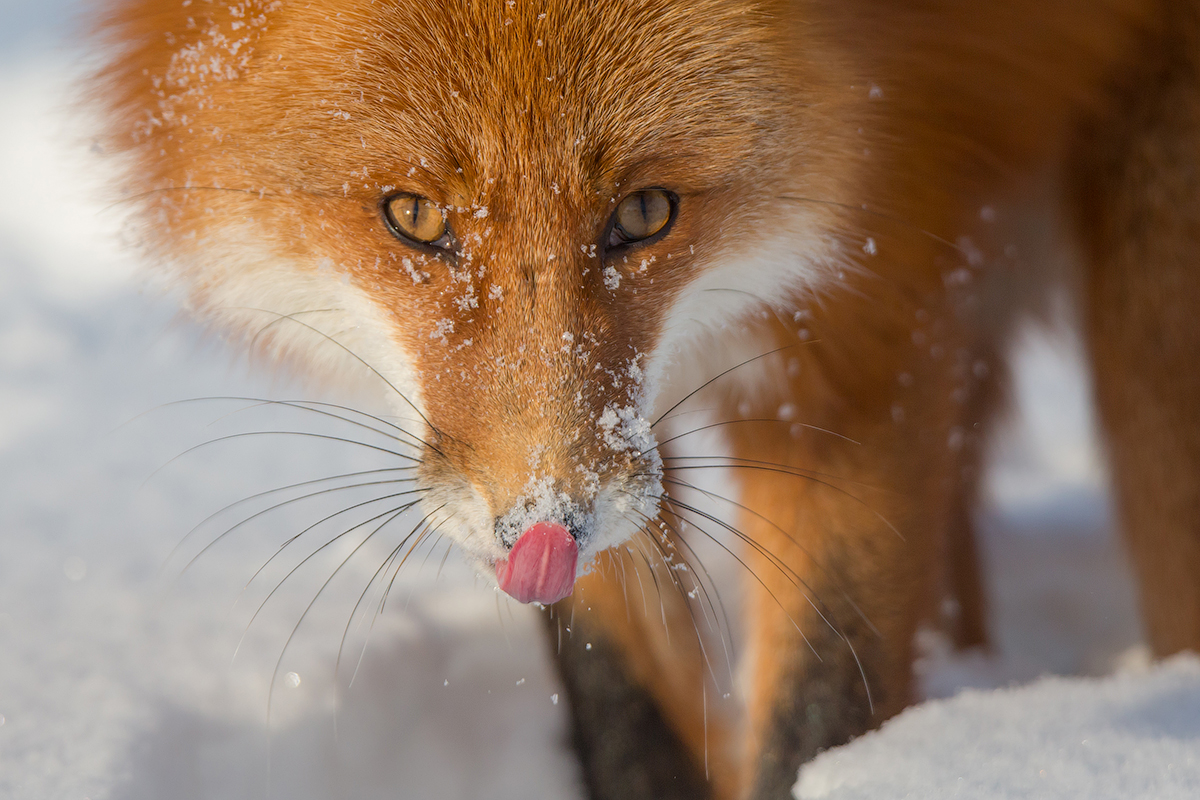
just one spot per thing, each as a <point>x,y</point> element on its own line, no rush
<point>843,522</point>
<point>630,657</point>
<point>965,620</point>
<point>1139,193</point>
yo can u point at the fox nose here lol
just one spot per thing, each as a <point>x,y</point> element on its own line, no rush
<point>540,568</point>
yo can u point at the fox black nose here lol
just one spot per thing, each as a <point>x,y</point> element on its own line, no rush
<point>572,516</point>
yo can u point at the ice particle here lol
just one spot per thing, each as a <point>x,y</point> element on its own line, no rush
<point>75,568</point>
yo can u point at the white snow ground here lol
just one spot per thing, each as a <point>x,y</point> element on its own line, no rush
<point>117,678</point>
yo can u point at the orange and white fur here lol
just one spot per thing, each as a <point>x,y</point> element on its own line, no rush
<point>541,224</point>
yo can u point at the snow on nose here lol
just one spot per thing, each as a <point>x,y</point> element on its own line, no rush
<point>541,566</point>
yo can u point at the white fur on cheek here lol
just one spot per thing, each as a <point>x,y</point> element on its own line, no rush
<point>458,510</point>
<point>622,511</point>
<point>737,282</point>
<point>306,311</point>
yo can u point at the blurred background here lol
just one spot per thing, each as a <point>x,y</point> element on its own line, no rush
<point>117,670</point>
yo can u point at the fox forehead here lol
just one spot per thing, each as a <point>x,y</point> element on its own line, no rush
<point>467,95</point>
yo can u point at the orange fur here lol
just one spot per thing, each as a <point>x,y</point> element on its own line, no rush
<point>830,161</point>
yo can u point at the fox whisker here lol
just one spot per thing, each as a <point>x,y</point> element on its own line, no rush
<point>685,596</point>
<point>259,495</point>
<point>666,414</point>
<point>746,420</point>
<point>283,504</point>
<point>279,584</point>
<point>366,364</point>
<point>423,522</point>
<point>731,462</point>
<point>679,510</point>
<point>390,515</point>
<point>799,545</point>
<point>304,434</point>
<point>287,542</point>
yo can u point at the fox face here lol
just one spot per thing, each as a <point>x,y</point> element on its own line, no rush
<point>521,217</point>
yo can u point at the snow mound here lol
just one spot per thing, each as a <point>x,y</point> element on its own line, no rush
<point>1133,735</point>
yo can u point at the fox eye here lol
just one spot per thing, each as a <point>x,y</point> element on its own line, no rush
<point>642,215</point>
<point>416,218</point>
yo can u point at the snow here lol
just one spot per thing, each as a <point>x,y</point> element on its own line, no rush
<point>1134,735</point>
<point>117,670</point>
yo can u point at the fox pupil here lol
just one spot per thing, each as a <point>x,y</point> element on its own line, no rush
<point>642,215</point>
<point>416,218</point>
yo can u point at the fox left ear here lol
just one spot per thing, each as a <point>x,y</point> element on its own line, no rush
<point>641,216</point>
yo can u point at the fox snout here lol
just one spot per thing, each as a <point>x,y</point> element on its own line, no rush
<point>534,492</point>
<point>546,535</point>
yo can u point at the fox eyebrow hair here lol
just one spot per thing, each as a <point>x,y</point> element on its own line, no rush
<point>674,170</point>
<point>262,194</point>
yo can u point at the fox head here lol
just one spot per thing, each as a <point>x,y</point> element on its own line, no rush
<point>521,216</point>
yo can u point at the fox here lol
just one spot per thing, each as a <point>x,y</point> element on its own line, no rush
<point>554,233</point>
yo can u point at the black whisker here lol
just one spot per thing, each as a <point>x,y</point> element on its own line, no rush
<point>441,566</point>
<point>669,566</point>
<point>715,378</point>
<point>796,581</point>
<point>362,596</point>
<point>675,503</point>
<point>428,531</point>
<point>247,434</point>
<point>812,557</point>
<point>613,564</point>
<point>364,362</point>
<point>805,425</point>
<point>733,462</point>
<point>775,560</point>
<point>253,343</point>
<point>268,492</point>
<point>724,633</point>
<point>437,537</point>
<point>647,522</point>
<point>765,466</point>
<point>366,641</point>
<point>641,586</point>
<point>279,551</point>
<point>399,565</point>
<point>278,506</point>
<point>316,407</point>
<point>317,596</point>
<point>657,588</point>
<point>392,511</point>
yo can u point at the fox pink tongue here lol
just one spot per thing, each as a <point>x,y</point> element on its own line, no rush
<point>541,566</point>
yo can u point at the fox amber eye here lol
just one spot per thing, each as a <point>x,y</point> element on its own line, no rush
<point>642,215</point>
<point>416,218</point>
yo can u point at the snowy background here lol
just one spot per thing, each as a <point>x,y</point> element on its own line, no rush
<point>117,669</point>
